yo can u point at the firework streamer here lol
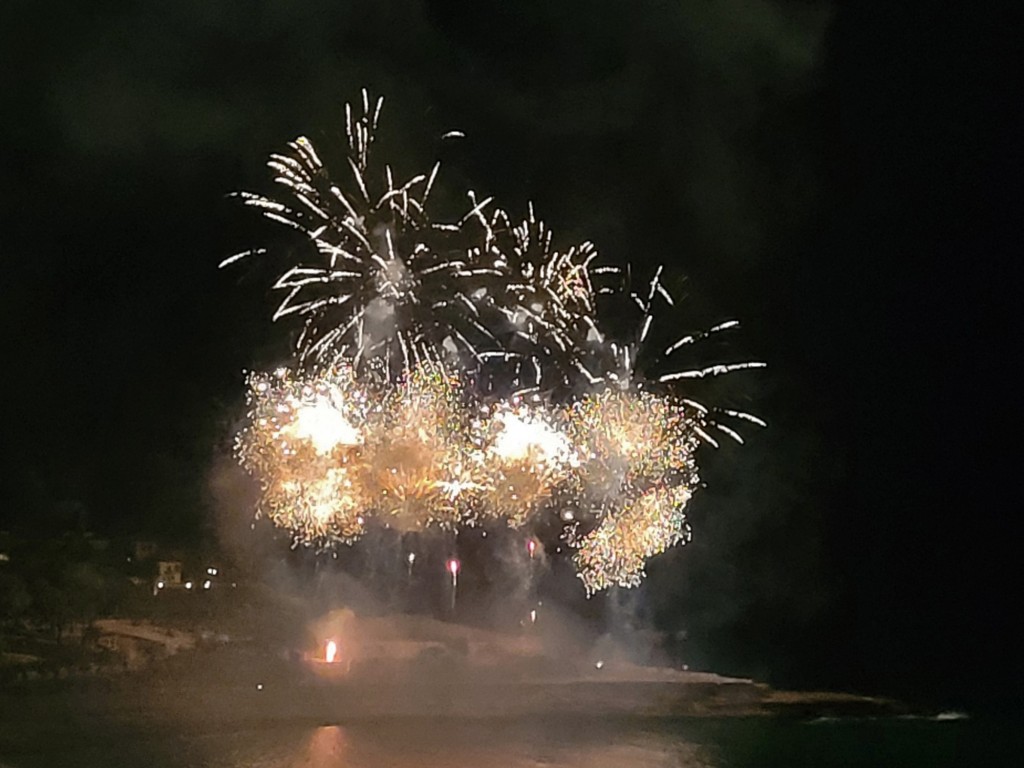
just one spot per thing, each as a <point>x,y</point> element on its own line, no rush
<point>626,374</point>
<point>453,566</point>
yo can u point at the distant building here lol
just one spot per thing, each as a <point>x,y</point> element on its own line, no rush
<point>168,572</point>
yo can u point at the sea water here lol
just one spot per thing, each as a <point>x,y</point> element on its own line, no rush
<point>950,739</point>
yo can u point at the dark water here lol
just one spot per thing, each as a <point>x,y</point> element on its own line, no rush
<point>565,744</point>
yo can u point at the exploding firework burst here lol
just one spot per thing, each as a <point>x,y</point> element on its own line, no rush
<point>615,553</point>
<point>381,287</point>
<point>305,444</point>
<point>546,411</point>
<point>632,439</point>
<point>418,450</point>
<point>527,455</point>
<point>547,301</point>
<point>384,287</point>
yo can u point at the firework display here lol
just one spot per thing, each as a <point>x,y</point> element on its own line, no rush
<point>451,374</point>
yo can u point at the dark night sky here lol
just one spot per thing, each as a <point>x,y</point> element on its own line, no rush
<point>843,181</point>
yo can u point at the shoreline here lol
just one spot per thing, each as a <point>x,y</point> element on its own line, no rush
<point>141,698</point>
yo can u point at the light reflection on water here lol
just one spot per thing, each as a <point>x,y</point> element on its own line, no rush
<point>36,739</point>
<point>419,746</point>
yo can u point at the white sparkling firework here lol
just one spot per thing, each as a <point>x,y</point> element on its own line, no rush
<point>384,287</point>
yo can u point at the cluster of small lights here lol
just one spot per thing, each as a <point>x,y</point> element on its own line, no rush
<point>545,415</point>
<point>188,585</point>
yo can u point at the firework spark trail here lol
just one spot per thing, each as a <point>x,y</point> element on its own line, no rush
<point>547,412</point>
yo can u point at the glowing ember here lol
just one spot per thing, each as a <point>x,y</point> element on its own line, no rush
<point>330,652</point>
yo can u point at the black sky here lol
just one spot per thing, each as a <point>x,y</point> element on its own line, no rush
<point>845,181</point>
